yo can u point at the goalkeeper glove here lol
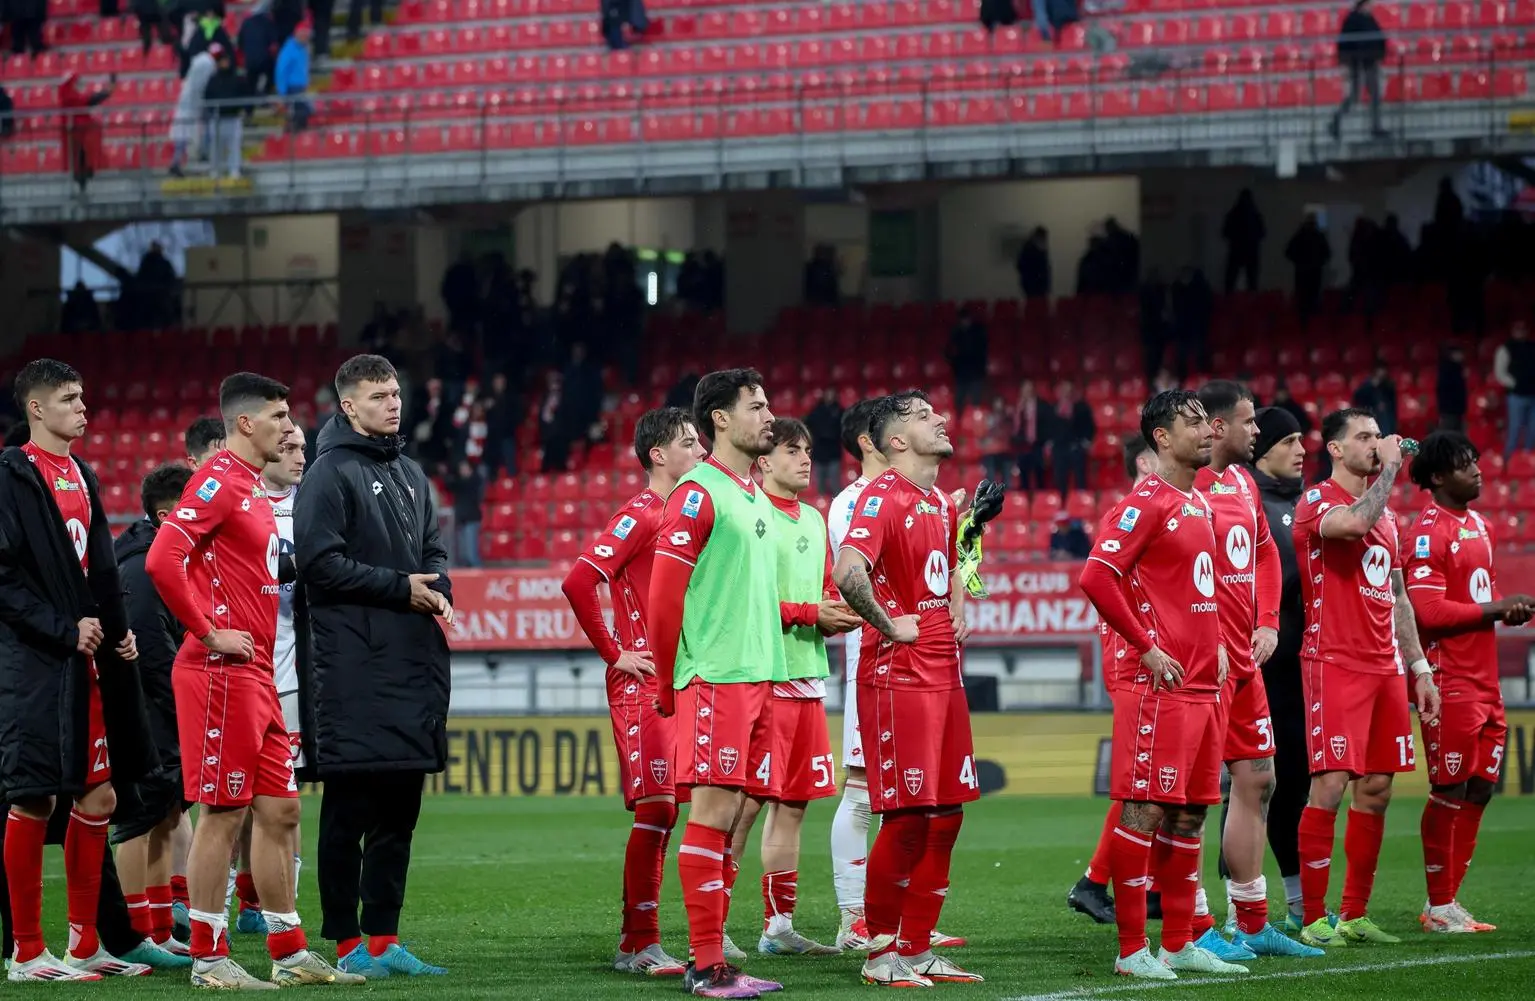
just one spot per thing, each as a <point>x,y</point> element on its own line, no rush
<point>972,526</point>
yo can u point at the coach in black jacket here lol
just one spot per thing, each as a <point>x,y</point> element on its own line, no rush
<point>1279,456</point>
<point>373,661</point>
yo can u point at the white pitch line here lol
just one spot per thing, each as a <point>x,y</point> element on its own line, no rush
<point>1076,994</point>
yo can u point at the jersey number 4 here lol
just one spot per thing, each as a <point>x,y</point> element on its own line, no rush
<point>967,775</point>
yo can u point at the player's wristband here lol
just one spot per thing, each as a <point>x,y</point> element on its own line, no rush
<point>1420,667</point>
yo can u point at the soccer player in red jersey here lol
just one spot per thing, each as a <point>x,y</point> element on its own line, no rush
<point>216,563</point>
<point>1152,578</point>
<point>1360,632</point>
<point>1454,593</point>
<point>1090,895</point>
<point>621,557</point>
<point>1249,580</point>
<point>895,568</point>
<point>65,652</point>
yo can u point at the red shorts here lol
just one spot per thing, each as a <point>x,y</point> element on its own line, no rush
<point>1357,722</point>
<point>1249,729</point>
<point>802,750</point>
<point>234,743</point>
<point>100,764</point>
<point>1466,742</point>
<point>646,742</point>
<point>725,737</point>
<point>918,748</point>
<point>1165,750</point>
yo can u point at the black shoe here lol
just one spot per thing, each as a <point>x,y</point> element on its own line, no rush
<point>1091,899</point>
<point>1153,905</point>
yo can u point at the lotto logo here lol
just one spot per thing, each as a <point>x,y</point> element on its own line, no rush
<point>1110,545</point>
<point>680,538</point>
<point>186,514</point>
<point>858,533</point>
<point>603,552</point>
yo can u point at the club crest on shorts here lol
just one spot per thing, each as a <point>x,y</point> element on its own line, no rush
<point>234,782</point>
<point>659,767</point>
<point>1339,746</point>
<point>728,756</point>
<point>913,777</point>
<point>1452,762</point>
<point>1167,777</point>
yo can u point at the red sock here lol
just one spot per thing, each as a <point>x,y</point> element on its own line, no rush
<point>85,841</point>
<point>24,837</point>
<point>929,884</point>
<point>779,892</point>
<point>1201,923</point>
<point>701,866</point>
<point>1468,823</point>
<point>245,889</point>
<point>282,944</point>
<point>179,891</point>
<point>1438,831</point>
<point>1176,861</point>
<point>1251,903</point>
<point>160,920</point>
<point>1362,836</point>
<point>139,915</point>
<point>1098,865</point>
<point>644,860</point>
<point>208,941</point>
<point>897,848</point>
<point>379,944</point>
<point>732,872</point>
<point>1129,862</point>
<point>345,946</point>
<point>1314,845</point>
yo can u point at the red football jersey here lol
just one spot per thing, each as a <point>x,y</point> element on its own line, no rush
<point>1161,541</point>
<point>1240,528</point>
<point>1112,647</point>
<point>63,477</point>
<point>224,530</point>
<point>1451,554</point>
<point>907,536</point>
<point>1346,586</point>
<point>623,554</point>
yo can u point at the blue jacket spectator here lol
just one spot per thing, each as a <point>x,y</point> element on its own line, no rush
<point>293,78</point>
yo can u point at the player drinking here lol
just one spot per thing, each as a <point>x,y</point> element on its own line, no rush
<point>895,569</point>
<point>1152,578</point>
<point>65,652</point>
<point>217,567</point>
<point>809,609</point>
<point>1360,631</point>
<point>1249,579</point>
<point>1454,593</point>
<point>717,647</point>
<point>622,556</point>
<point>1090,895</point>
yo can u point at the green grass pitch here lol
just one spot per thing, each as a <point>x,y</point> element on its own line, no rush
<point>519,898</point>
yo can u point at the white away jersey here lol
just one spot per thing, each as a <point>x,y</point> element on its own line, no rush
<point>285,652</point>
<point>838,519</point>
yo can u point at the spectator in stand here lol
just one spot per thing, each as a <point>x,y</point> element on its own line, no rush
<point>207,31</point>
<point>156,288</point>
<point>25,18</point>
<point>153,23</point>
<point>1164,380</point>
<point>1153,321</point>
<point>1451,392</point>
<point>1072,434</point>
<point>714,283</point>
<point>82,132</point>
<point>825,424</point>
<point>996,442</point>
<point>454,364</point>
<point>504,415</point>
<point>1125,253</point>
<point>1096,269</point>
<point>681,394</point>
<point>1378,395</point>
<point>191,110</point>
<point>1193,306</point>
<point>1395,252</point>
<point>259,44</point>
<point>460,293</point>
<point>1243,232</point>
<point>229,98</point>
<point>1514,368</point>
<point>1365,280</point>
<point>287,15</point>
<point>1031,430</point>
<point>1033,265</point>
<point>969,351</point>
<point>1361,47</point>
<point>433,415</point>
<point>468,491</point>
<point>555,432</point>
<point>81,313</point>
<point>7,114</point>
<point>1309,252</point>
<point>582,389</point>
<point>354,17</point>
<point>1068,539</point>
<point>822,287</point>
<point>1284,401</point>
<point>320,17</point>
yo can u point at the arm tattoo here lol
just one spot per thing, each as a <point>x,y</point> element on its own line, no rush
<point>1406,622</point>
<point>858,592</point>
<point>1372,504</point>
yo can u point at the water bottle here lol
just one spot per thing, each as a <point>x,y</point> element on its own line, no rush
<point>1409,446</point>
